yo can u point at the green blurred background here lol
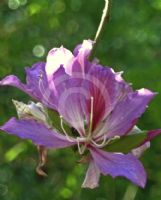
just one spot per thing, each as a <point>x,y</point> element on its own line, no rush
<point>131,42</point>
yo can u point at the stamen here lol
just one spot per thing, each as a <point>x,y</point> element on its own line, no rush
<point>81,150</point>
<point>102,144</point>
<point>91,118</point>
<point>112,139</point>
<point>65,133</point>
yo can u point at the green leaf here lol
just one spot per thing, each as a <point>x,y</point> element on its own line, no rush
<point>126,143</point>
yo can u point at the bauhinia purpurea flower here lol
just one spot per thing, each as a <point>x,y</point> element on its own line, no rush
<point>93,100</point>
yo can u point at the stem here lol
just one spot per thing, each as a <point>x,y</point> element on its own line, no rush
<point>130,193</point>
<point>104,19</point>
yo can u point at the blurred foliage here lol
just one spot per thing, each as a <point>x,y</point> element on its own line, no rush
<point>131,42</point>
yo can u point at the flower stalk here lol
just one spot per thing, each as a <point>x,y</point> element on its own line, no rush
<point>104,19</point>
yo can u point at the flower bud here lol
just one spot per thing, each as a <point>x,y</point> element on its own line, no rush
<point>32,110</point>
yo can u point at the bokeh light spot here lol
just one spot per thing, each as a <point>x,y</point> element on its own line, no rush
<point>76,5</point>
<point>66,193</point>
<point>38,51</point>
<point>59,7</point>
<point>23,2</point>
<point>156,4</point>
<point>3,190</point>
<point>13,4</point>
<point>54,23</point>
<point>71,181</point>
<point>34,8</point>
<point>72,27</point>
<point>141,35</point>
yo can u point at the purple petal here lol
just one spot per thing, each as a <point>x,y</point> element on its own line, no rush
<point>126,113</point>
<point>84,48</point>
<point>92,176</point>
<point>72,106</point>
<point>71,99</point>
<point>81,52</point>
<point>12,80</point>
<point>37,80</point>
<point>36,84</point>
<point>72,109</point>
<point>37,132</point>
<point>107,88</point>
<point>117,164</point>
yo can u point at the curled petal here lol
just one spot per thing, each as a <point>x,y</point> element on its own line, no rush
<point>37,132</point>
<point>117,164</point>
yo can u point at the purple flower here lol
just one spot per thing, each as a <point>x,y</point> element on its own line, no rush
<point>92,99</point>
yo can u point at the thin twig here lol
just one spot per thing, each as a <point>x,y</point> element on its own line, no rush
<point>104,19</point>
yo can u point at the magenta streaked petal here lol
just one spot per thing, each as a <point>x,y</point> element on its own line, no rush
<point>37,132</point>
<point>126,113</point>
<point>117,164</point>
<point>107,88</point>
<point>92,176</point>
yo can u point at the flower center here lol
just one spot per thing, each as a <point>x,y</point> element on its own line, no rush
<point>83,142</point>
